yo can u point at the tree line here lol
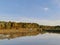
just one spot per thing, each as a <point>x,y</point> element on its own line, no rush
<point>17,25</point>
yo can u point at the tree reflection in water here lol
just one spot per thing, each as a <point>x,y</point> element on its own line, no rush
<point>15,35</point>
<point>23,34</point>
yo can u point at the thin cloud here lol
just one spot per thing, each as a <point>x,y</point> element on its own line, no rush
<point>35,20</point>
<point>31,20</point>
<point>46,9</point>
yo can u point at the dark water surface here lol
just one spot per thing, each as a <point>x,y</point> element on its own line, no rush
<point>30,39</point>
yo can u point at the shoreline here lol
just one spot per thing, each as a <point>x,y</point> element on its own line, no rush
<point>21,30</point>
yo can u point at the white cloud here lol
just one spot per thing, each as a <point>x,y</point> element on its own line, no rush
<point>31,20</point>
<point>41,22</point>
<point>46,9</point>
<point>35,20</point>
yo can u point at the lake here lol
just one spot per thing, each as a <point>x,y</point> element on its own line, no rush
<point>30,39</point>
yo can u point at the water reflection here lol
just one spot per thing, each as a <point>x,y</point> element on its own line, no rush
<point>23,34</point>
<point>30,38</point>
<point>15,35</point>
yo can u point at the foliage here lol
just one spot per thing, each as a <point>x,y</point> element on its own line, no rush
<point>17,25</point>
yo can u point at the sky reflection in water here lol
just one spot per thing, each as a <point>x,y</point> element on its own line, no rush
<point>37,39</point>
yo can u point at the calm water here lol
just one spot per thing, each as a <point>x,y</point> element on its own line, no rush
<point>30,39</point>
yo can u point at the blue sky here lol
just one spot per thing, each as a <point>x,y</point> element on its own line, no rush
<point>40,11</point>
